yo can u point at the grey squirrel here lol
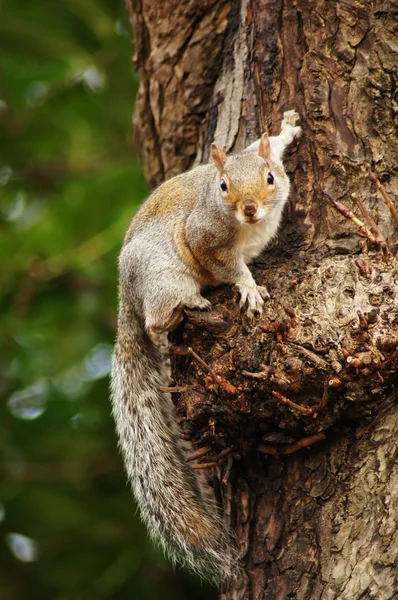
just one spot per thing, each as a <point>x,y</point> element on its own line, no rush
<point>196,230</point>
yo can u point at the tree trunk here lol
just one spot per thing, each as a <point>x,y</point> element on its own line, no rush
<point>311,490</point>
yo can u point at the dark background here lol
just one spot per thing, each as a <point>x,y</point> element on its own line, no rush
<point>69,183</point>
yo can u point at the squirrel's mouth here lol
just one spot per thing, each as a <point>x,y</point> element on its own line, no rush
<point>253,220</point>
<point>249,220</point>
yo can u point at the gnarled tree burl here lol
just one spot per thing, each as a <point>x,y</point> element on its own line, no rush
<point>295,412</point>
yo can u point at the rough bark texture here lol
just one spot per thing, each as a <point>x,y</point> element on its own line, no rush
<point>319,522</point>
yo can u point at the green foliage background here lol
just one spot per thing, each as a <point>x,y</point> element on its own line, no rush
<point>69,183</point>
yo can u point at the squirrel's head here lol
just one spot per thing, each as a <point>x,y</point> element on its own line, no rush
<point>247,181</point>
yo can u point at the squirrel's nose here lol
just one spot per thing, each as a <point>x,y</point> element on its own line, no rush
<point>249,209</point>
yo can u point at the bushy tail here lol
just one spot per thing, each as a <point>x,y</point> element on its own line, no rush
<point>176,511</point>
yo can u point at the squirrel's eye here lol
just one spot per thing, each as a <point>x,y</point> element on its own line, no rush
<point>270,179</point>
<point>223,185</point>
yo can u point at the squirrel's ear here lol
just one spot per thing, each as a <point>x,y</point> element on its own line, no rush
<point>218,155</point>
<point>264,149</point>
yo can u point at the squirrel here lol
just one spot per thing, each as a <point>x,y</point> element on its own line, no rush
<point>196,230</point>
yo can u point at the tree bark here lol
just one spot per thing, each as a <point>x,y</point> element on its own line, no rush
<point>311,490</point>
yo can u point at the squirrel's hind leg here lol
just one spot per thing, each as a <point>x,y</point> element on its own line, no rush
<point>196,301</point>
<point>164,308</point>
<point>289,131</point>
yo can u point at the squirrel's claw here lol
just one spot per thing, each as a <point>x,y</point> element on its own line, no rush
<point>263,292</point>
<point>198,303</point>
<point>250,296</point>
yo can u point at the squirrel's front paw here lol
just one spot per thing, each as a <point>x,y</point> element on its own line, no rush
<point>252,297</point>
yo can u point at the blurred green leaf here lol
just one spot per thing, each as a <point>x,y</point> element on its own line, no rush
<point>69,184</point>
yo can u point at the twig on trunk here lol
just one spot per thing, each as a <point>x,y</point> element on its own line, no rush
<point>383,192</point>
<point>304,443</point>
<point>204,364</point>
<point>363,322</point>
<point>291,448</point>
<point>211,459</point>
<point>198,453</point>
<point>228,470</point>
<point>228,387</point>
<point>325,398</point>
<point>380,237</point>
<point>265,372</point>
<point>207,465</point>
<point>364,267</point>
<point>173,389</point>
<point>302,409</point>
<point>348,214</point>
<point>224,453</point>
